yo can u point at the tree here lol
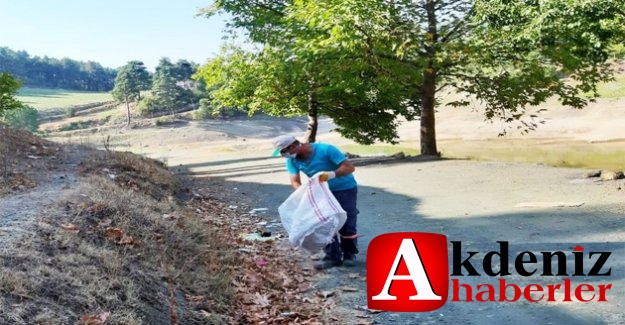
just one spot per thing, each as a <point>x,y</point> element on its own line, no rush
<point>230,80</point>
<point>131,79</point>
<point>168,90</point>
<point>290,77</point>
<point>295,86</point>
<point>184,70</point>
<point>9,87</point>
<point>508,55</point>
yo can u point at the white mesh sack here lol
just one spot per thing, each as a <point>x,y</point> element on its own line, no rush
<point>312,216</point>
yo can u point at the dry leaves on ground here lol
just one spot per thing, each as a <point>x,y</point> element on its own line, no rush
<point>272,287</point>
<point>95,319</point>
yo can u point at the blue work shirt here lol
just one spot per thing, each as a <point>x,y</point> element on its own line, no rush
<point>323,157</point>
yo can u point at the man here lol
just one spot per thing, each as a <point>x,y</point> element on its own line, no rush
<point>312,158</point>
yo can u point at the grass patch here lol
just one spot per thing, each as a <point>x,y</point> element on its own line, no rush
<point>17,149</point>
<point>379,150</point>
<point>130,244</point>
<point>44,98</point>
<point>612,89</point>
<point>127,242</point>
<point>80,125</point>
<point>119,246</point>
<point>601,155</point>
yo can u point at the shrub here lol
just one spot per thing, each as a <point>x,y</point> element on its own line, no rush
<point>70,111</point>
<point>25,117</point>
<point>204,111</point>
<point>146,106</point>
<point>163,120</point>
<point>75,126</point>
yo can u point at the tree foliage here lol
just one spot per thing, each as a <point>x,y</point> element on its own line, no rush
<point>12,111</point>
<point>25,117</point>
<point>290,77</point>
<point>49,72</point>
<point>506,55</point>
<point>9,87</point>
<point>131,79</point>
<point>172,85</point>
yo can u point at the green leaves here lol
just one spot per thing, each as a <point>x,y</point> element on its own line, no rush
<point>370,62</point>
<point>12,111</point>
<point>539,49</point>
<point>9,87</point>
<point>24,117</point>
<point>131,79</point>
<point>311,50</point>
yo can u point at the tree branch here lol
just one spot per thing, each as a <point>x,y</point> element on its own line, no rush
<point>443,4</point>
<point>443,86</point>
<point>278,10</point>
<point>457,28</point>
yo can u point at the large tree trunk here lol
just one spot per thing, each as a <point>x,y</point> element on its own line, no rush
<point>428,122</point>
<point>313,114</point>
<point>428,89</point>
<point>127,112</point>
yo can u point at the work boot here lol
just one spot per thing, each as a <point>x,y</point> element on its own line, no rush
<point>326,264</point>
<point>349,260</point>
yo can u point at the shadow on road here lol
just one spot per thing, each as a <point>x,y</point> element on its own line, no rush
<point>260,126</point>
<point>240,167</point>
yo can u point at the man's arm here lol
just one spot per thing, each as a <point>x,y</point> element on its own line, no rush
<point>296,181</point>
<point>345,168</point>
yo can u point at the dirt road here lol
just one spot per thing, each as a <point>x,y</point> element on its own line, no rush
<point>471,202</point>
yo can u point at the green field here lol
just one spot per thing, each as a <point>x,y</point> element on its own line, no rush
<point>43,99</point>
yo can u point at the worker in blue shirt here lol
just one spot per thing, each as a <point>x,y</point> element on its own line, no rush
<point>337,170</point>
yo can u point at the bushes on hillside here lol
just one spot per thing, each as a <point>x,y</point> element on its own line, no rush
<point>24,117</point>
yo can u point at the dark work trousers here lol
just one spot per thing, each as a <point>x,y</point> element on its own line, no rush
<point>345,246</point>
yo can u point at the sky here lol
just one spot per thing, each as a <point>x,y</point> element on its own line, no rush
<point>111,32</point>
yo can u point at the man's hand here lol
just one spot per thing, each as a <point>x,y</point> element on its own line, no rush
<point>326,176</point>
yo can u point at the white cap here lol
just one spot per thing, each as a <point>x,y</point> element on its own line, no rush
<point>283,141</point>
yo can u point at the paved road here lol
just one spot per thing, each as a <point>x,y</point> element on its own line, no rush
<point>471,202</point>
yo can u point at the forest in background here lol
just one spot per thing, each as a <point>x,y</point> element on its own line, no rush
<point>65,73</point>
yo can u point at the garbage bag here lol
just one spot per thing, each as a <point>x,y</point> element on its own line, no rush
<point>312,216</point>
